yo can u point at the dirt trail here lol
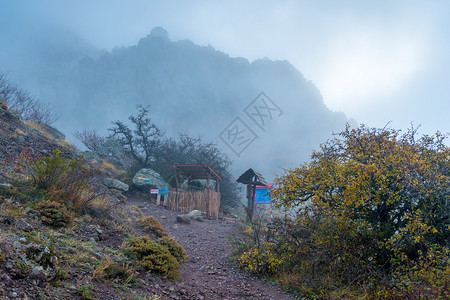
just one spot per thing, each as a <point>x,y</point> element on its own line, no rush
<point>206,273</point>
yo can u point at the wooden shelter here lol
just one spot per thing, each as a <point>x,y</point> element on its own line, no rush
<point>207,200</point>
<point>251,178</point>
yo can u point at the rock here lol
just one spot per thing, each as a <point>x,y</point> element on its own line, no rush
<point>116,184</point>
<point>160,33</point>
<point>3,106</point>
<point>195,215</point>
<point>55,133</point>
<point>6,280</point>
<point>37,275</point>
<point>134,213</point>
<point>112,151</point>
<point>23,225</point>
<point>119,196</point>
<point>183,219</point>
<point>147,179</point>
<point>43,255</point>
<point>6,186</point>
<point>91,156</point>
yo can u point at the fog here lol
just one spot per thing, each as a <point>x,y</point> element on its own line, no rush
<point>374,62</point>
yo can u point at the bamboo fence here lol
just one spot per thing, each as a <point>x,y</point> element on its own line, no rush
<point>207,201</point>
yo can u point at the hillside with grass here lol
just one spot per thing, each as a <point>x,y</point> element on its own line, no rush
<point>67,233</point>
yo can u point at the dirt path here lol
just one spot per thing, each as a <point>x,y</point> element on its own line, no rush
<point>206,273</point>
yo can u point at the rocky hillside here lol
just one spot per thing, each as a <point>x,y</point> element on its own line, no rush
<point>65,235</point>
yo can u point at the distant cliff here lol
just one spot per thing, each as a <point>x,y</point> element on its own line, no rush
<point>192,89</point>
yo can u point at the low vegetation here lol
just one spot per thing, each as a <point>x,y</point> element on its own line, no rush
<point>372,220</point>
<point>152,226</point>
<point>152,256</point>
<point>174,248</point>
<point>25,104</point>
<point>54,213</point>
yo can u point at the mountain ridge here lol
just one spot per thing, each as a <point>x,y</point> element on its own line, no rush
<point>192,89</point>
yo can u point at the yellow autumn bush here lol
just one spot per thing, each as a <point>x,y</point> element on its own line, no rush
<point>371,207</point>
<point>260,260</point>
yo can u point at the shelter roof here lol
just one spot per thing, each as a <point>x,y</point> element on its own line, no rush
<point>252,177</point>
<point>198,171</point>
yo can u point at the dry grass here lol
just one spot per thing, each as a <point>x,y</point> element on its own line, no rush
<point>19,132</point>
<point>39,128</point>
<point>11,209</point>
<point>109,168</point>
<point>64,144</point>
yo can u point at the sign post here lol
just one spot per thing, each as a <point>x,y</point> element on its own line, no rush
<point>161,192</point>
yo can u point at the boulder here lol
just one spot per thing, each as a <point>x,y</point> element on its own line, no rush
<point>91,156</point>
<point>41,254</point>
<point>116,184</point>
<point>183,219</point>
<point>147,179</point>
<point>195,215</point>
<point>112,151</point>
<point>38,276</point>
<point>55,133</point>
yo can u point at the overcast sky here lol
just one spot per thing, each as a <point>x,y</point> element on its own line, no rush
<point>377,61</point>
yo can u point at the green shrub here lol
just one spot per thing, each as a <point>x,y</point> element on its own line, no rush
<point>54,213</point>
<point>117,271</point>
<point>368,206</point>
<point>152,225</point>
<point>261,260</point>
<point>10,209</point>
<point>174,248</point>
<point>152,256</point>
<point>427,277</point>
<point>85,292</point>
<point>63,179</point>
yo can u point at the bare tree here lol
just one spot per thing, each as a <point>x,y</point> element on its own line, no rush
<point>194,150</point>
<point>90,138</point>
<point>142,142</point>
<point>27,105</point>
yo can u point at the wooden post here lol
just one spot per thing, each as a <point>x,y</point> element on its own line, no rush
<point>253,202</point>
<point>207,194</point>
<point>166,199</point>
<point>250,200</point>
<point>176,189</point>
<point>158,199</point>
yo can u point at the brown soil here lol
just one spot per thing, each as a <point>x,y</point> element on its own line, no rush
<point>206,273</point>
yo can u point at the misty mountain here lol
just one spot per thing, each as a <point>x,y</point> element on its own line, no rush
<point>190,89</point>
